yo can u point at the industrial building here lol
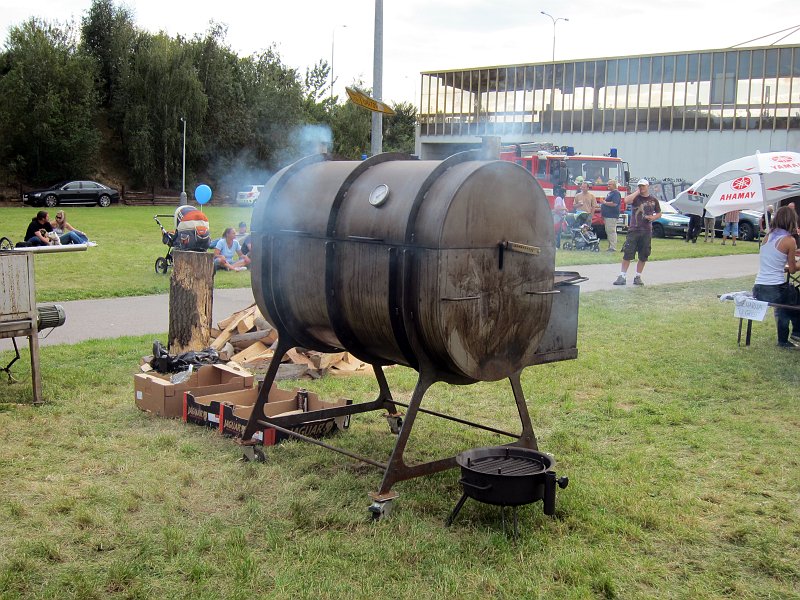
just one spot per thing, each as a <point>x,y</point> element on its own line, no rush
<point>675,115</point>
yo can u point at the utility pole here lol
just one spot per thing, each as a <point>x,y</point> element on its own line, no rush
<point>376,145</point>
<point>183,184</point>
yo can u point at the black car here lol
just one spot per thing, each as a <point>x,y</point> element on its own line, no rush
<point>73,192</point>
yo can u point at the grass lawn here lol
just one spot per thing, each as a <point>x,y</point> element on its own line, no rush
<point>681,450</point>
<point>122,264</point>
<point>130,241</point>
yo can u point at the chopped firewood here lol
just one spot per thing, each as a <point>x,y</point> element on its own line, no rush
<point>227,351</point>
<point>267,337</point>
<point>261,323</point>
<point>252,351</point>
<point>234,319</point>
<point>221,340</point>
<point>214,332</point>
<point>349,364</point>
<point>245,324</point>
<point>291,371</point>
<point>299,359</point>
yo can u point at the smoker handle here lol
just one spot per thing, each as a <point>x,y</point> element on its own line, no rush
<point>524,248</point>
<point>475,486</point>
<point>364,238</point>
<point>453,299</point>
<point>546,293</point>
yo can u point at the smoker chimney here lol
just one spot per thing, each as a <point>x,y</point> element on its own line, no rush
<point>490,147</point>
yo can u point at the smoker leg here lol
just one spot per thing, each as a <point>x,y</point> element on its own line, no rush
<point>263,394</point>
<point>36,375</point>
<point>456,510</point>
<point>398,470</point>
<point>527,439</point>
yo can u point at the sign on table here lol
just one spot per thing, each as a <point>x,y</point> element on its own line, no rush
<point>748,308</point>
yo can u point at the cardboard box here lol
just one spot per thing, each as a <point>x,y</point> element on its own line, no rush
<point>235,409</point>
<point>156,394</point>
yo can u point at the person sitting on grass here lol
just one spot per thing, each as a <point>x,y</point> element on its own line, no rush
<point>38,228</point>
<point>225,250</point>
<point>243,238</point>
<point>67,233</point>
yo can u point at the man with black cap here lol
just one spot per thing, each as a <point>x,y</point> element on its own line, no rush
<point>644,210</point>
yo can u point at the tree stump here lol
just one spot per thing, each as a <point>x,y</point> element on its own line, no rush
<point>191,297</point>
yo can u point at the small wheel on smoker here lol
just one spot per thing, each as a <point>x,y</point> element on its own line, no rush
<point>381,510</point>
<point>253,454</point>
<point>161,265</point>
<point>395,422</point>
<point>596,248</point>
<point>566,246</point>
<point>6,244</point>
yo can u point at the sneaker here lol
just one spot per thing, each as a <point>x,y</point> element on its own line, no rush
<point>91,244</point>
<point>240,269</point>
<point>620,280</point>
<point>788,345</point>
<point>795,337</point>
<point>638,281</point>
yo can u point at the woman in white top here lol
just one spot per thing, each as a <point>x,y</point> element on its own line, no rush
<point>67,234</point>
<point>778,254</point>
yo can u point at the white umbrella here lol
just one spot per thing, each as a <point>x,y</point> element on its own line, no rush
<point>753,181</point>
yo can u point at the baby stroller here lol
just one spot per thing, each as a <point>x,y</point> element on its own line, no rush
<point>579,234</point>
<point>191,233</point>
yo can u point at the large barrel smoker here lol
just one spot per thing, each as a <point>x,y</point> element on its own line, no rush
<point>443,266</point>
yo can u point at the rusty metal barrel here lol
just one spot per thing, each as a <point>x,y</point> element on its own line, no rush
<point>444,265</point>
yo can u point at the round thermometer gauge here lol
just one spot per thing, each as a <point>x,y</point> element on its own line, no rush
<point>379,195</point>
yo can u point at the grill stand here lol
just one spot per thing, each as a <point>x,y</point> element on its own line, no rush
<point>396,469</point>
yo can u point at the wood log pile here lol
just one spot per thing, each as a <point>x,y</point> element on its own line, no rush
<point>247,339</point>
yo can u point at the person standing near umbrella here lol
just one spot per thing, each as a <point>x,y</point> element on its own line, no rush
<point>609,210</point>
<point>644,210</point>
<point>708,226</point>
<point>778,254</point>
<point>731,228</point>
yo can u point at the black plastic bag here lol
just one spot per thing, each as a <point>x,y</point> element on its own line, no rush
<point>163,362</point>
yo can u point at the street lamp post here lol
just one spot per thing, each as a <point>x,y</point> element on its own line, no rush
<point>555,20</point>
<point>333,42</point>
<point>183,176</point>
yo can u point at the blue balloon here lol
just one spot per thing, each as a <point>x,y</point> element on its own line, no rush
<point>202,193</point>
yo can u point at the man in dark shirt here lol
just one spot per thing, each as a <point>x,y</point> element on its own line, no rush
<point>644,210</point>
<point>609,210</point>
<point>38,228</point>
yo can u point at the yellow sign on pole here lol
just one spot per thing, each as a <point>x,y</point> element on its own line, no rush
<point>360,98</point>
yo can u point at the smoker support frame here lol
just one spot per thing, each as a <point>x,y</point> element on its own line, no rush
<point>396,469</point>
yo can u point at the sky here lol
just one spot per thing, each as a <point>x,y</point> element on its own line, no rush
<point>429,35</point>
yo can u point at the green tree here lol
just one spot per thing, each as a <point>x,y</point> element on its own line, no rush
<point>162,87</point>
<point>317,103</point>
<point>108,33</point>
<point>276,98</point>
<point>47,104</point>
<point>399,129</point>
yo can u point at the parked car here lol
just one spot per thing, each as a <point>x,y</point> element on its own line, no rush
<point>73,192</point>
<point>749,225</point>
<point>671,223</point>
<point>249,196</point>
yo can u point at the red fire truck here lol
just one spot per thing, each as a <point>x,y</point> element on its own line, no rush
<point>560,168</point>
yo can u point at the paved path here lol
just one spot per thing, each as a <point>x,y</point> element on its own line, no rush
<point>116,317</point>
